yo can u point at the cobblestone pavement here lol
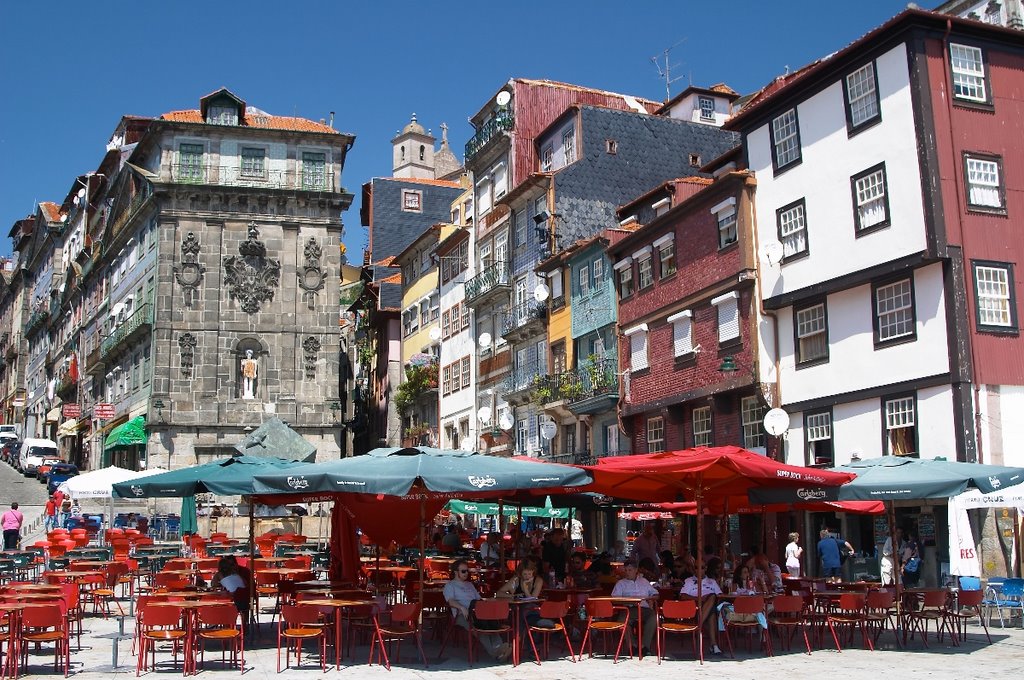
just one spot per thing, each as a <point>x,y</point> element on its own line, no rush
<point>30,496</point>
<point>975,659</point>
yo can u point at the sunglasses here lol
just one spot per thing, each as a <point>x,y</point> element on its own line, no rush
<point>463,571</point>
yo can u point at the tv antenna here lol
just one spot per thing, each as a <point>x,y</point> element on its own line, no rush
<point>665,69</point>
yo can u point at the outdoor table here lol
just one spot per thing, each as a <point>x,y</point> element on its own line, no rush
<point>857,586</point>
<point>338,605</point>
<point>56,577</point>
<point>262,563</point>
<point>629,602</point>
<point>32,588</point>
<point>100,564</point>
<point>516,605</point>
<point>188,609</point>
<point>823,599</point>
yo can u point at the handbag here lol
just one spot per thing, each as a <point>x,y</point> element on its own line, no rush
<point>912,565</point>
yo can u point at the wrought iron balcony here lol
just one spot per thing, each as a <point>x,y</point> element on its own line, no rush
<point>520,384</point>
<point>129,213</point>
<point>504,120</point>
<point>496,278</point>
<point>94,362</point>
<point>129,328</point>
<point>37,320</point>
<point>558,387</point>
<point>524,320</point>
<point>578,458</point>
<point>597,387</point>
<point>231,176</point>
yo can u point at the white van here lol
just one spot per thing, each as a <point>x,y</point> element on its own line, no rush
<point>33,451</point>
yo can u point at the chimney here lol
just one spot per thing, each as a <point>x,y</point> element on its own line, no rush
<point>331,124</point>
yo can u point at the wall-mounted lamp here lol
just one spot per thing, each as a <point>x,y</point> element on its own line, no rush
<point>159,405</point>
<point>728,365</point>
<point>335,407</point>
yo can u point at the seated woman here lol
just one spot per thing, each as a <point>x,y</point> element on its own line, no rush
<point>236,580</point>
<point>526,583</point>
<point>742,583</point>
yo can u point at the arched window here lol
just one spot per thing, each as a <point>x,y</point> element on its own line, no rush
<point>403,153</point>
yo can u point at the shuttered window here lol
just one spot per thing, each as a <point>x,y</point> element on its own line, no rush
<point>728,316</point>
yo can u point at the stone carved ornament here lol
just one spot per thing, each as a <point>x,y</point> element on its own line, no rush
<point>187,346</point>
<point>189,274</point>
<point>252,277</point>
<point>312,348</point>
<point>312,276</point>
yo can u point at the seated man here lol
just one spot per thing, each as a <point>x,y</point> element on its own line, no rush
<point>635,585</point>
<point>580,575</point>
<point>460,593</point>
<point>709,592</point>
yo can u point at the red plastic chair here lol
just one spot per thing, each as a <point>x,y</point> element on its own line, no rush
<point>748,605</point>
<point>159,624</point>
<point>496,613</point>
<point>601,618</point>
<point>788,615</point>
<point>297,624</point>
<point>220,623</point>
<point>849,611</point>
<point>42,624</point>
<point>678,617</point>
<point>404,623</point>
<point>556,612</point>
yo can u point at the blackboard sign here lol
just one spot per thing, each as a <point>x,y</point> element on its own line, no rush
<point>881,530</point>
<point>926,529</point>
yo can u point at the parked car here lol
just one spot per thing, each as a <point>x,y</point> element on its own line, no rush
<point>33,451</point>
<point>9,451</point>
<point>59,473</point>
<point>43,468</point>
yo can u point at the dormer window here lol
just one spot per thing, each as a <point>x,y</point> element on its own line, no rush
<point>707,108</point>
<point>222,115</point>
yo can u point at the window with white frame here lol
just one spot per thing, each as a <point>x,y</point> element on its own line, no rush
<point>522,436</point>
<point>314,170</point>
<point>547,155</point>
<point>464,313</point>
<point>253,161</point>
<point>900,426</point>
<point>569,145</point>
<point>818,434</point>
<point>984,181</point>
<point>861,96</point>
<point>555,280</point>
<point>871,202</point>
<point>483,195</point>
<point>666,246</point>
<point>597,269</point>
<point>751,415</point>
<point>811,334</point>
<point>792,225</point>
<point>446,380</point>
<point>222,115</point>
<point>522,230</point>
<point>968,66</point>
<point>725,215</point>
<point>499,178</point>
<point>995,299</point>
<point>645,272</point>
<point>412,200</point>
<point>584,280</point>
<point>707,108</point>
<point>894,311</point>
<point>465,372</point>
<point>655,434</point>
<point>728,316</point>
<point>785,140</point>
<point>702,426</point>
<point>682,333</point>
<point>637,347</point>
<point>625,270</point>
<point>446,324</point>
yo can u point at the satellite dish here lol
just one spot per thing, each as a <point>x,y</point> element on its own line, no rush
<point>503,98</point>
<point>81,193</point>
<point>541,292</point>
<point>772,252</point>
<point>506,421</point>
<point>467,445</point>
<point>776,422</point>
<point>484,414</point>
<point>484,340</point>
<point>435,333</point>
<point>548,430</point>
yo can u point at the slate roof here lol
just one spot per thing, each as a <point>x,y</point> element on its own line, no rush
<point>391,296</point>
<point>393,229</point>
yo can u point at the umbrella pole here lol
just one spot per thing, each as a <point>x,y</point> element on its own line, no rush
<point>501,541</point>
<point>890,516</point>
<point>253,596</point>
<point>423,554</point>
<point>700,579</point>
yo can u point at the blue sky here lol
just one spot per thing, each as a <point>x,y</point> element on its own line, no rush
<point>72,69</point>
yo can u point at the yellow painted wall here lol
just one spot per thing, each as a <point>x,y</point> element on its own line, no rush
<point>426,284</point>
<point>560,328</point>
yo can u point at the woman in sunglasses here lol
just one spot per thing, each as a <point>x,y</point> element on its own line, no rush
<point>460,593</point>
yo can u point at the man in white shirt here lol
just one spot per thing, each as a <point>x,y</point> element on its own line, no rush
<point>490,550</point>
<point>887,564</point>
<point>460,593</point>
<point>709,591</point>
<point>634,585</point>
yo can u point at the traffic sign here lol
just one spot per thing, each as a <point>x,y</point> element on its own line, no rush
<point>104,411</point>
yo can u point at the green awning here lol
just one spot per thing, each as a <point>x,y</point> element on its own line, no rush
<point>130,433</point>
<point>468,507</point>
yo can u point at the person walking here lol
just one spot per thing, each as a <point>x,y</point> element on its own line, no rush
<point>11,521</point>
<point>793,554</point>
<point>51,514</point>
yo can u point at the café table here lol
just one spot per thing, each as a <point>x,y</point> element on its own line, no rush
<point>338,605</point>
<point>516,605</point>
<point>188,608</point>
<point>65,576</point>
<point>630,602</point>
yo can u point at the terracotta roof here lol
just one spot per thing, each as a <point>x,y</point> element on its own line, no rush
<point>386,262</point>
<point>394,278</point>
<point>423,180</point>
<point>724,89</point>
<point>50,210</point>
<point>583,88</point>
<point>256,120</point>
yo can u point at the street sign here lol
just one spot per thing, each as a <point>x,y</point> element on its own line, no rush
<point>71,410</point>
<point>104,411</point>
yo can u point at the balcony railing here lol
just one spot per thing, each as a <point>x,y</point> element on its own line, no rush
<point>129,213</point>
<point>494,277</point>
<point>523,316</point>
<point>597,379</point>
<point>521,380</point>
<point>142,318</point>
<point>557,387</point>
<point>504,120</point>
<point>231,176</point>
<point>37,320</point>
<point>578,458</point>
<point>94,362</point>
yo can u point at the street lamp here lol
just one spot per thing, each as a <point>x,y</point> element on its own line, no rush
<point>728,365</point>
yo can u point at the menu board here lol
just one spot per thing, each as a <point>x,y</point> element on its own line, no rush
<point>926,529</point>
<point>881,530</point>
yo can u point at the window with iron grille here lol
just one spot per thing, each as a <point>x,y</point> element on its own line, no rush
<point>894,311</point>
<point>314,170</point>
<point>900,426</point>
<point>752,413</point>
<point>993,286</point>
<point>818,434</point>
<point>655,435</point>
<point>253,162</point>
<point>861,96</point>
<point>968,66</point>
<point>811,334</point>
<point>792,224</point>
<point>871,202</point>
<point>984,182</point>
<point>785,140</point>
<point>702,426</point>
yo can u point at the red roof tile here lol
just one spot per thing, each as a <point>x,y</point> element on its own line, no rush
<point>50,210</point>
<point>386,262</point>
<point>394,278</point>
<point>257,121</point>
<point>696,180</point>
<point>424,180</point>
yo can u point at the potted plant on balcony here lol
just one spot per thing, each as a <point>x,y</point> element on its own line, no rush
<point>418,381</point>
<point>541,391</point>
<point>417,434</point>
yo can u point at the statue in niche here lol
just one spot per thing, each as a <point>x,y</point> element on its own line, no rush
<point>250,374</point>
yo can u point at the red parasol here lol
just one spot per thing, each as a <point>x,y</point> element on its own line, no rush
<point>742,506</point>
